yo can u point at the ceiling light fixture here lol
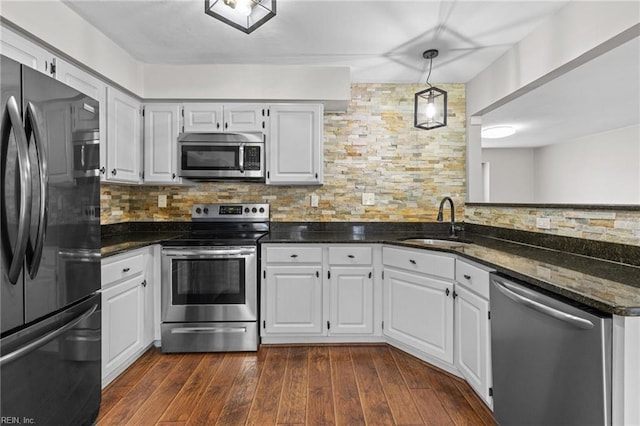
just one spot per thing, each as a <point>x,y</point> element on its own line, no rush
<point>497,132</point>
<point>430,105</point>
<point>245,15</point>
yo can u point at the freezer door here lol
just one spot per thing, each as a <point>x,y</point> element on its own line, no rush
<point>63,250</point>
<point>50,371</point>
<point>15,191</point>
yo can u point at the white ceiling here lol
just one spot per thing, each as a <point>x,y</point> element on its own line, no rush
<point>600,95</point>
<point>380,40</point>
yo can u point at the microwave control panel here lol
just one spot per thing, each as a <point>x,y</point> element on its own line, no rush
<point>252,158</point>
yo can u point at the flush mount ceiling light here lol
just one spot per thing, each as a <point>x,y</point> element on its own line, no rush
<point>497,132</point>
<point>245,15</point>
<point>430,105</point>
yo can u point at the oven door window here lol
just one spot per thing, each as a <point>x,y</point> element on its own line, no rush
<point>210,158</point>
<point>208,281</point>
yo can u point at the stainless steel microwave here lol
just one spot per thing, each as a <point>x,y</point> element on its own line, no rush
<point>221,156</point>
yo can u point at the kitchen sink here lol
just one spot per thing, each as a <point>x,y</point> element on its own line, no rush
<point>435,242</point>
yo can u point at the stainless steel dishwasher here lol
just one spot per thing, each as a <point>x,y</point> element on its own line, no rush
<point>551,359</point>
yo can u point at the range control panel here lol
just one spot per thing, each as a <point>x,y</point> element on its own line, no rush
<point>230,212</point>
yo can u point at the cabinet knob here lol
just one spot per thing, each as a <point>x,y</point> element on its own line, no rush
<point>217,125</point>
<point>413,262</point>
<point>468,277</point>
<point>103,170</point>
<point>455,294</point>
<point>226,125</point>
<point>351,256</point>
<point>144,283</point>
<point>447,292</point>
<point>294,256</point>
<point>173,176</point>
<point>126,269</point>
<point>114,172</point>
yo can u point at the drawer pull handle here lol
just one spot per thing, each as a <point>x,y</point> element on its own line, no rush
<point>468,277</point>
<point>294,256</point>
<point>413,262</point>
<point>126,269</point>
<point>351,256</point>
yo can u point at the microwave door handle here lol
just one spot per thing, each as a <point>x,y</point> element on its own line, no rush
<point>11,120</point>
<point>241,155</point>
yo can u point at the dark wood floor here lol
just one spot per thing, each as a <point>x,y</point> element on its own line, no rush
<point>312,385</point>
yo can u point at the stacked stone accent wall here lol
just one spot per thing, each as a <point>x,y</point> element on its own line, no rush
<point>602,225</point>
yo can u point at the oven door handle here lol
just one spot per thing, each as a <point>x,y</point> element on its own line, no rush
<point>207,253</point>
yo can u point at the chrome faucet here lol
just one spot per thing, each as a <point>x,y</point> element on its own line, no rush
<point>453,214</point>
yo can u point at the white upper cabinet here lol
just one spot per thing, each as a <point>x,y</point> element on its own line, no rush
<point>91,86</point>
<point>295,144</point>
<point>22,50</point>
<point>218,117</point>
<point>244,117</point>
<point>161,129</point>
<point>123,137</point>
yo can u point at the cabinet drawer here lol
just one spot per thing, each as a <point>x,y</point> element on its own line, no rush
<point>419,261</point>
<point>120,268</point>
<point>294,254</point>
<point>473,277</point>
<point>350,255</point>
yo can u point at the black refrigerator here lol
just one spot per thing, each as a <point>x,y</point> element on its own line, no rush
<point>50,320</point>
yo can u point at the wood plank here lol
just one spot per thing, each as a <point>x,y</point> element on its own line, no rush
<point>416,373</point>
<point>454,402</point>
<point>185,402</point>
<point>237,406</point>
<point>213,398</point>
<point>430,407</point>
<point>345,387</point>
<point>127,407</point>
<point>153,408</point>
<point>374,403</point>
<point>319,392</point>
<point>476,403</point>
<point>293,400</point>
<point>395,388</point>
<point>264,409</point>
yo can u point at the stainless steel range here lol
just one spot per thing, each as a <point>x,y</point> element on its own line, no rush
<point>210,280</point>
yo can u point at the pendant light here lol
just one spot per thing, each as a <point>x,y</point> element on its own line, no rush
<point>245,15</point>
<point>430,105</point>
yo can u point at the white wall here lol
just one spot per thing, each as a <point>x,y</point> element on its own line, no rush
<point>57,26</point>
<point>602,168</point>
<point>511,177</point>
<point>577,33</point>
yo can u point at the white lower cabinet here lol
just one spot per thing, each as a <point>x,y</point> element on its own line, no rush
<point>418,303</point>
<point>293,300</point>
<point>316,293</point>
<point>472,328</point>
<point>128,320</point>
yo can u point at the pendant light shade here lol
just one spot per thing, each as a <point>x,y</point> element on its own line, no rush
<point>245,15</point>
<point>430,105</point>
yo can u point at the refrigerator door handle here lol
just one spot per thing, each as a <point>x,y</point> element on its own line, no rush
<point>11,120</point>
<point>18,353</point>
<point>505,289</point>
<point>34,255</point>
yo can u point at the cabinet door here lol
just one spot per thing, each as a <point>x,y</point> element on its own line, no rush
<point>123,137</point>
<point>203,117</point>
<point>418,311</point>
<point>244,117</point>
<point>90,86</point>
<point>122,319</point>
<point>351,300</point>
<point>293,300</point>
<point>295,143</point>
<point>473,345</point>
<point>18,48</point>
<point>161,129</point>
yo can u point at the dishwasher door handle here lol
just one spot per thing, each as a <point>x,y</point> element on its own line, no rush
<point>506,289</point>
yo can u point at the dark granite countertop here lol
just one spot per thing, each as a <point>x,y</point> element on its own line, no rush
<point>608,286</point>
